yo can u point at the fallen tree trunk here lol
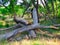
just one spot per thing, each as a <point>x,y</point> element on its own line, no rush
<point>56,25</point>
<point>19,25</point>
<point>11,28</point>
<point>25,28</point>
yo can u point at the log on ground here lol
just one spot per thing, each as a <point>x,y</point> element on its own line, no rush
<point>25,28</point>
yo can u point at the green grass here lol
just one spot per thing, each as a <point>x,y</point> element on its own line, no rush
<point>32,42</point>
<point>43,39</point>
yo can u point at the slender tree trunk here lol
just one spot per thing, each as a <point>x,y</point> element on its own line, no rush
<point>42,3</point>
<point>46,5</point>
<point>52,3</point>
<point>56,8</point>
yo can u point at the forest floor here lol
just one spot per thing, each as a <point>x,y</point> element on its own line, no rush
<point>44,37</point>
<point>40,41</point>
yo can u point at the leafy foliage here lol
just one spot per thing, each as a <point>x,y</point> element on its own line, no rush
<point>51,6</point>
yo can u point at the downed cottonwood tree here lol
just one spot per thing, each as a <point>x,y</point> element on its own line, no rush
<point>20,27</point>
<point>25,28</point>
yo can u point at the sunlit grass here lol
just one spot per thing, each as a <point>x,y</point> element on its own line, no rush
<point>33,42</point>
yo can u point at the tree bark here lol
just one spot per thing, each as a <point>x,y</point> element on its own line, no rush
<point>25,28</point>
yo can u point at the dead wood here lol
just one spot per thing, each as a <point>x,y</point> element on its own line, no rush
<point>25,28</point>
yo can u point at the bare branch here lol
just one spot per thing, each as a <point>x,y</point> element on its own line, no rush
<point>57,25</point>
<point>11,28</point>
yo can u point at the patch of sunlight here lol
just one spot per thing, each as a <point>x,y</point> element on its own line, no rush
<point>58,2</point>
<point>2,7</point>
<point>34,42</point>
<point>58,33</point>
<point>38,42</point>
<point>3,23</point>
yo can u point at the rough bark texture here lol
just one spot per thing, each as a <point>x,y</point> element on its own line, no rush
<point>25,28</point>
